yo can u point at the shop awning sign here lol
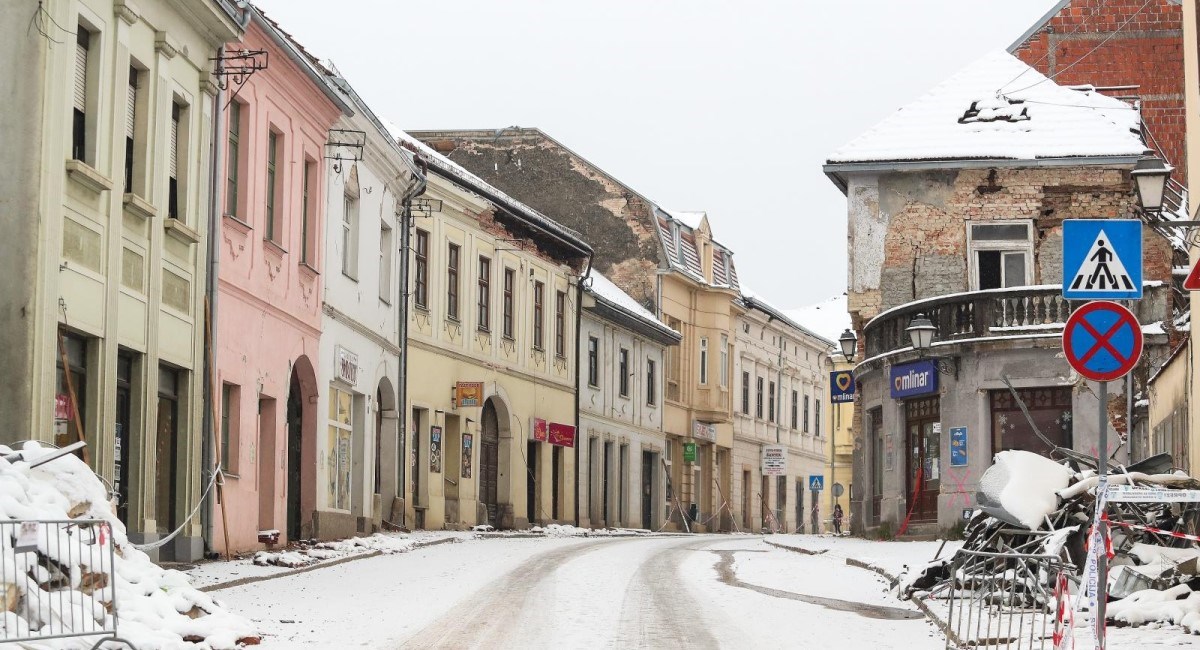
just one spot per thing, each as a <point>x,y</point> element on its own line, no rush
<point>913,379</point>
<point>468,393</point>
<point>541,430</point>
<point>562,435</point>
<point>841,386</point>
<point>704,431</point>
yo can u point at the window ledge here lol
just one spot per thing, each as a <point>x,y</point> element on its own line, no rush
<point>309,269</point>
<point>241,225</point>
<point>138,206</point>
<point>272,245</point>
<point>386,301</point>
<point>421,309</point>
<point>87,176</point>
<point>231,475</point>
<point>181,231</point>
<point>350,277</point>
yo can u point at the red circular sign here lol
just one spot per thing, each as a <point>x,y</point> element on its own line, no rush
<point>1102,340</point>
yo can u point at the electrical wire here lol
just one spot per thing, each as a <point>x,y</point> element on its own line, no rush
<point>1045,56</point>
<point>1099,45</point>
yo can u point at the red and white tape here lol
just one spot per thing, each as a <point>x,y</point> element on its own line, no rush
<point>1151,529</point>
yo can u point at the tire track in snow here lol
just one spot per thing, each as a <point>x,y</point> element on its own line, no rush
<point>658,611</point>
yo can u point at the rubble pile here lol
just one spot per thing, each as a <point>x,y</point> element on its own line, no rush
<point>1032,508</point>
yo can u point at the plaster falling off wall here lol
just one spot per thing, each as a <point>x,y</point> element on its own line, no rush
<point>868,228</point>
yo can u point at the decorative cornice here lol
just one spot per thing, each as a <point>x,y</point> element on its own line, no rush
<point>166,45</point>
<point>504,370</point>
<point>208,84</point>
<point>348,320</point>
<point>127,11</point>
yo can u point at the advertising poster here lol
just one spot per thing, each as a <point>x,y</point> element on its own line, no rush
<point>540,430</point>
<point>435,450</point>
<point>468,443</point>
<point>469,393</point>
<point>562,435</point>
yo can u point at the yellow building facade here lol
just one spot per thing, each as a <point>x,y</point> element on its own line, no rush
<point>493,307</point>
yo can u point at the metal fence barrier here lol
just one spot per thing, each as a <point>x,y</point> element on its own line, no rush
<point>56,580</point>
<point>1002,600</point>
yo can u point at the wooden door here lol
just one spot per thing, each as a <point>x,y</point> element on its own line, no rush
<point>923,439</point>
<point>489,462</point>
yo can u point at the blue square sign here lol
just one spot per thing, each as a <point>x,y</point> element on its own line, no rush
<point>1102,259</point>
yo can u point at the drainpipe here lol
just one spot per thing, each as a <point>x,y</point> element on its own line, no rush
<point>213,254</point>
<point>578,331</point>
<point>419,184</point>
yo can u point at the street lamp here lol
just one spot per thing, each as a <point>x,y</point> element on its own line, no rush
<point>1150,177</point>
<point>921,331</point>
<point>849,343</point>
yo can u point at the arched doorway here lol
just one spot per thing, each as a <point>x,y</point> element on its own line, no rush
<point>489,462</point>
<point>387,446</point>
<point>301,420</point>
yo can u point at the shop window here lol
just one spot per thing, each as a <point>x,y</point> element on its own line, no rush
<point>1050,409</point>
<point>1000,254</point>
<point>341,436</point>
<point>170,389</point>
<point>71,389</point>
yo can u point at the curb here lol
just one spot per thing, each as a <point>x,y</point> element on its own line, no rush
<point>320,565</point>
<point>794,549</point>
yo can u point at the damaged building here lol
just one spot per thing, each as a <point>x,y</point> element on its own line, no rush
<point>955,209</point>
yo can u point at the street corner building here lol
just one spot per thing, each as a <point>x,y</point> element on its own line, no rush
<point>955,207</point>
<point>270,251</point>
<point>102,308</point>
<point>493,324</point>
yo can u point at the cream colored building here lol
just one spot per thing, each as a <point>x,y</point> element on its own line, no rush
<point>782,388</point>
<point>623,478</point>
<point>697,297</point>
<point>839,444</point>
<point>104,293</point>
<point>494,294</point>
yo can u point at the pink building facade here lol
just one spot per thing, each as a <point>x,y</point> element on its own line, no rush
<point>268,316</point>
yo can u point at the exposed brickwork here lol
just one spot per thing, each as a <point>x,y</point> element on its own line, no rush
<point>925,249</point>
<point>1147,52</point>
<point>536,170</point>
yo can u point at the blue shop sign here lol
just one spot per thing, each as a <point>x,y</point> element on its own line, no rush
<point>913,379</point>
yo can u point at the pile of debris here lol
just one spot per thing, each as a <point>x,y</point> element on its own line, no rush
<point>1033,509</point>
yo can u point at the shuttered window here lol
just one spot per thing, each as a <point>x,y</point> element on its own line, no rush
<point>173,165</point>
<point>83,40</point>
<point>130,121</point>
<point>231,182</point>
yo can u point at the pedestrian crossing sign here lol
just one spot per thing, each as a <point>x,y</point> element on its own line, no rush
<point>1102,259</point>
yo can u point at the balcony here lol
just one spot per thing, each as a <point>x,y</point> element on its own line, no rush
<point>994,313</point>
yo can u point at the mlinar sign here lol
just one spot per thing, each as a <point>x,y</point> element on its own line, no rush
<point>913,379</point>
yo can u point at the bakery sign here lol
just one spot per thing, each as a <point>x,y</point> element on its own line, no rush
<point>346,365</point>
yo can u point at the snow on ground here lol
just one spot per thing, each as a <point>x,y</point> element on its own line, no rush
<point>891,556</point>
<point>634,591</point>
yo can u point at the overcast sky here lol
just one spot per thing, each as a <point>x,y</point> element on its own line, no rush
<point>728,107</point>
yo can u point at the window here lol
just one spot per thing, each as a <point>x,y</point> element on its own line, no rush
<point>623,369</point>
<point>176,152</point>
<point>385,262</point>
<point>593,361</point>
<point>703,361</point>
<point>71,386</point>
<point>1049,408</point>
<point>421,283</point>
<point>79,116</point>
<point>171,385</point>
<point>230,400</point>
<point>510,279</point>
<point>745,393</point>
<point>350,236</point>
<point>560,323</point>
<point>674,361</point>
<point>806,414</point>
<point>341,433</point>
<point>452,281</point>
<point>795,409</point>
<point>539,291</point>
<point>233,159</point>
<point>771,402</point>
<point>724,371</point>
<point>1000,254</point>
<point>817,418</point>
<point>758,399</point>
<point>306,212</point>
<point>272,187</point>
<point>651,383</point>
<point>485,283</point>
<point>131,96</point>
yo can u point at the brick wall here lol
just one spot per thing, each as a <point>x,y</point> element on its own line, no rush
<point>1147,52</point>
<point>926,215</point>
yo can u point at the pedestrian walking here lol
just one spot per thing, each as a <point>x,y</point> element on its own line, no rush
<point>816,517</point>
<point>837,519</point>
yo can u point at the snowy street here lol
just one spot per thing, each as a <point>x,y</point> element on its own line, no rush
<point>662,592</point>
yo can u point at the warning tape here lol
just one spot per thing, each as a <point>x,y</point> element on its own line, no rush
<point>1151,529</point>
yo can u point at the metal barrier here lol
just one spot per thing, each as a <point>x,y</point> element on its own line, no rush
<point>56,580</point>
<point>1002,600</point>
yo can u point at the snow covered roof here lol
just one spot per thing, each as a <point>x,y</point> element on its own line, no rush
<point>754,301</point>
<point>603,289</point>
<point>448,167</point>
<point>677,230</point>
<point>999,108</point>
<point>308,64</point>
<point>828,318</point>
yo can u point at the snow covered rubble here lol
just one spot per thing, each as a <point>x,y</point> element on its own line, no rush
<point>321,551</point>
<point>1033,508</point>
<point>155,607</point>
